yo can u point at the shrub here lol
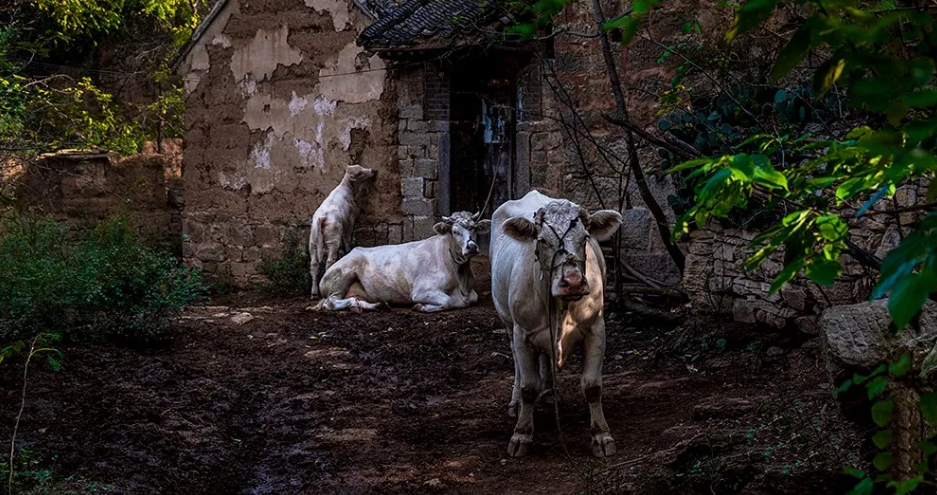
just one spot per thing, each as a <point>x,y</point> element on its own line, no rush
<point>287,274</point>
<point>106,283</point>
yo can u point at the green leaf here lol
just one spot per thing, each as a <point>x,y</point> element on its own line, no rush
<point>793,52</point>
<point>786,275</point>
<point>932,190</point>
<point>855,473</point>
<point>824,271</point>
<point>882,461</point>
<point>864,487</point>
<point>876,387</point>
<point>928,447</point>
<point>882,439</point>
<point>881,412</point>
<point>751,14</point>
<point>929,407</point>
<point>766,175</point>
<point>844,387</point>
<point>832,227</point>
<point>901,367</point>
<point>908,295</point>
<point>858,132</point>
<point>826,76</point>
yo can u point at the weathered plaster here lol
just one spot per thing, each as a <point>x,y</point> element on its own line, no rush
<point>337,9</point>
<point>196,63</point>
<point>345,82</point>
<point>264,54</point>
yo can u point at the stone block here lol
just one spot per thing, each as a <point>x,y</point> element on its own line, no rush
<point>414,138</point>
<point>395,233</point>
<point>243,270</point>
<point>419,207</point>
<point>636,224</point>
<point>794,297</point>
<point>251,254</point>
<point>410,112</point>
<point>423,227</point>
<point>416,125</point>
<point>859,334</point>
<point>266,235</point>
<point>210,252</point>
<point>411,187</point>
<point>426,167</point>
<point>429,188</point>
<point>906,196</point>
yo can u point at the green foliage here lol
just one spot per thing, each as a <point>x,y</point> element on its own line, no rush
<point>33,475</point>
<point>287,274</point>
<point>104,284</point>
<point>40,113</point>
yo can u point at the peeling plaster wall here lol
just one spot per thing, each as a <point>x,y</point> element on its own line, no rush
<point>280,100</point>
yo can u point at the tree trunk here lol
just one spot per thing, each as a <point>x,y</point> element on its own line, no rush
<point>663,226</point>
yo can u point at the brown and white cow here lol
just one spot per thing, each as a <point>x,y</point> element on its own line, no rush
<point>545,256</point>
<point>433,274</point>
<point>334,221</point>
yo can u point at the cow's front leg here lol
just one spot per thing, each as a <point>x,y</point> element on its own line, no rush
<point>603,445</point>
<point>432,301</point>
<point>516,387</point>
<point>525,357</point>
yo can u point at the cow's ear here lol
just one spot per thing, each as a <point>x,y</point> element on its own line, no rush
<point>443,228</point>
<point>520,229</point>
<point>603,224</point>
<point>483,226</point>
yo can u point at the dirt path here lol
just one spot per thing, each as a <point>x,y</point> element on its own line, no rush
<point>286,401</point>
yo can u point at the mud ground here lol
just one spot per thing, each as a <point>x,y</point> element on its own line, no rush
<point>262,397</point>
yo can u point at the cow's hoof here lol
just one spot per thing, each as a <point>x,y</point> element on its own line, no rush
<point>383,306</point>
<point>546,396</point>
<point>512,410</point>
<point>418,307</point>
<point>520,445</point>
<point>603,446</point>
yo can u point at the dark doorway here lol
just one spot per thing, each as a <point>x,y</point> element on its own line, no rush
<point>482,125</point>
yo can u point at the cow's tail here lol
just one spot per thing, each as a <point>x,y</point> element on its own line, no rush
<point>317,238</point>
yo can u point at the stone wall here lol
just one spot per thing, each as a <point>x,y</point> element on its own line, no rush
<point>280,100</point>
<point>717,283</point>
<point>82,188</point>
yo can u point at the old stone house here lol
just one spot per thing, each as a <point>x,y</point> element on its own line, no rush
<point>282,94</point>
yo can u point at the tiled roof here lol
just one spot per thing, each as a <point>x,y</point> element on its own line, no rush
<point>429,22</point>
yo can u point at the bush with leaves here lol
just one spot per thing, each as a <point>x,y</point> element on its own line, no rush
<point>86,286</point>
<point>287,274</point>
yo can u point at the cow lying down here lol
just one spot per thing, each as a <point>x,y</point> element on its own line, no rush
<point>433,274</point>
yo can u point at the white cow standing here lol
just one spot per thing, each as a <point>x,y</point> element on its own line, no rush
<point>434,274</point>
<point>545,253</point>
<point>333,224</point>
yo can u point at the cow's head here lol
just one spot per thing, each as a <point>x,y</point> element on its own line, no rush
<point>561,230</point>
<point>462,229</point>
<point>359,177</point>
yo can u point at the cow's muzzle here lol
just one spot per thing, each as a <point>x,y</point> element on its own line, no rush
<point>471,249</point>
<point>573,286</point>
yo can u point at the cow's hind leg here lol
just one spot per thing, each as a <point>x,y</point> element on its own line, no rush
<point>525,357</point>
<point>351,304</point>
<point>546,377</point>
<point>314,261</point>
<point>603,445</point>
<point>432,301</point>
